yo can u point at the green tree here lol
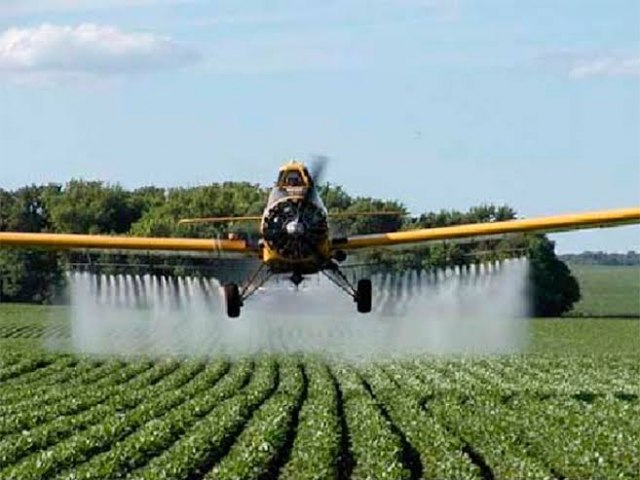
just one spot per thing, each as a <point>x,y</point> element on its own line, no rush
<point>93,207</point>
<point>334,197</point>
<point>216,200</point>
<point>34,275</point>
<point>554,288</point>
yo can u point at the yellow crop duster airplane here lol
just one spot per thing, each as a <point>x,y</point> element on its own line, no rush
<point>295,238</point>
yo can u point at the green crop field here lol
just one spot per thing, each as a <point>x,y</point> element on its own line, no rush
<point>607,290</point>
<point>567,408</point>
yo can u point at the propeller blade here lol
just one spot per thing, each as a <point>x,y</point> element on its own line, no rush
<point>316,170</point>
<point>317,167</point>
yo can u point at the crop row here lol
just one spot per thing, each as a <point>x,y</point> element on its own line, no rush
<point>161,427</point>
<point>54,382</point>
<point>20,368</point>
<point>205,442</point>
<point>526,433</point>
<point>539,373</point>
<point>135,405</point>
<point>37,374</point>
<point>30,332</point>
<point>316,451</point>
<point>437,453</point>
<point>578,437</point>
<point>152,382</point>
<point>58,402</point>
<point>560,438</point>
<point>37,438</point>
<point>376,449</point>
<point>257,450</point>
<point>70,417</point>
<point>62,364</point>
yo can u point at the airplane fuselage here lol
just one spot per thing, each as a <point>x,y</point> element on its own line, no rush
<point>294,226</point>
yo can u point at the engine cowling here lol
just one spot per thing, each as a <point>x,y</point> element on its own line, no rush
<point>294,228</point>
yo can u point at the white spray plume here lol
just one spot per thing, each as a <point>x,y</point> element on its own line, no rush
<point>478,309</point>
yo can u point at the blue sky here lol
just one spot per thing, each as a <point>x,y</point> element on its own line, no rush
<point>436,103</point>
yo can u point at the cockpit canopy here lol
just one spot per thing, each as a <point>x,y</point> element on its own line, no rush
<point>293,174</point>
<point>294,180</point>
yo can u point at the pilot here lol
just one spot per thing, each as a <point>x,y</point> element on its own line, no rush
<point>293,179</point>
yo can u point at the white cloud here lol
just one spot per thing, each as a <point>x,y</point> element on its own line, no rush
<point>606,66</point>
<point>591,64</point>
<point>49,52</point>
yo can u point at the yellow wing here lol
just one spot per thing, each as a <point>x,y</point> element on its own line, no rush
<point>477,231</point>
<point>106,242</point>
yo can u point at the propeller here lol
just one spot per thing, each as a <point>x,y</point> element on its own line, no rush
<point>317,167</point>
<point>316,171</point>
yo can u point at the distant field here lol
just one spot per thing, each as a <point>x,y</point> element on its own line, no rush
<point>607,291</point>
<point>567,408</point>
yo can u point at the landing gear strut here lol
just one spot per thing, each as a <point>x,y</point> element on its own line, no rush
<point>235,295</point>
<point>360,294</point>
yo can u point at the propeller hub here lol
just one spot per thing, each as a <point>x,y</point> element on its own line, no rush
<point>295,228</point>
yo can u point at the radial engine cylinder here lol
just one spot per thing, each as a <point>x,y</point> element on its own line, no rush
<point>294,228</point>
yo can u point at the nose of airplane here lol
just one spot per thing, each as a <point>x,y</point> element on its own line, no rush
<point>295,228</point>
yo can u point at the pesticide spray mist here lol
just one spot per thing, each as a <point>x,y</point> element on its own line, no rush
<point>476,309</point>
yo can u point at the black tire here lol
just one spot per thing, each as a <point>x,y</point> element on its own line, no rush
<point>233,300</point>
<point>364,295</point>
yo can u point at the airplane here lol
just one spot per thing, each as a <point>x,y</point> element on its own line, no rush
<point>295,237</point>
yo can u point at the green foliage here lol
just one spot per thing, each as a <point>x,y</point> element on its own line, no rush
<point>440,453</point>
<point>376,447</point>
<point>217,200</point>
<point>364,224</point>
<point>443,254</point>
<point>93,207</point>
<point>555,289</point>
<point>98,208</point>
<point>570,408</point>
<point>208,440</point>
<point>316,447</point>
<point>189,382</point>
<point>34,275</point>
<point>30,275</point>
<point>256,449</point>
<point>27,209</point>
<point>334,197</point>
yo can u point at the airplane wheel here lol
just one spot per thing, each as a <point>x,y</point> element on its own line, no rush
<point>364,295</point>
<point>233,300</point>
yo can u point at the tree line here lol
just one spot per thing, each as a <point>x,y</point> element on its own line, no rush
<point>95,207</point>
<point>602,258</point>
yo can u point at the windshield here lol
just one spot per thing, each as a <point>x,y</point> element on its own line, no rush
<point>278,193</point>
<point>290,178</point>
